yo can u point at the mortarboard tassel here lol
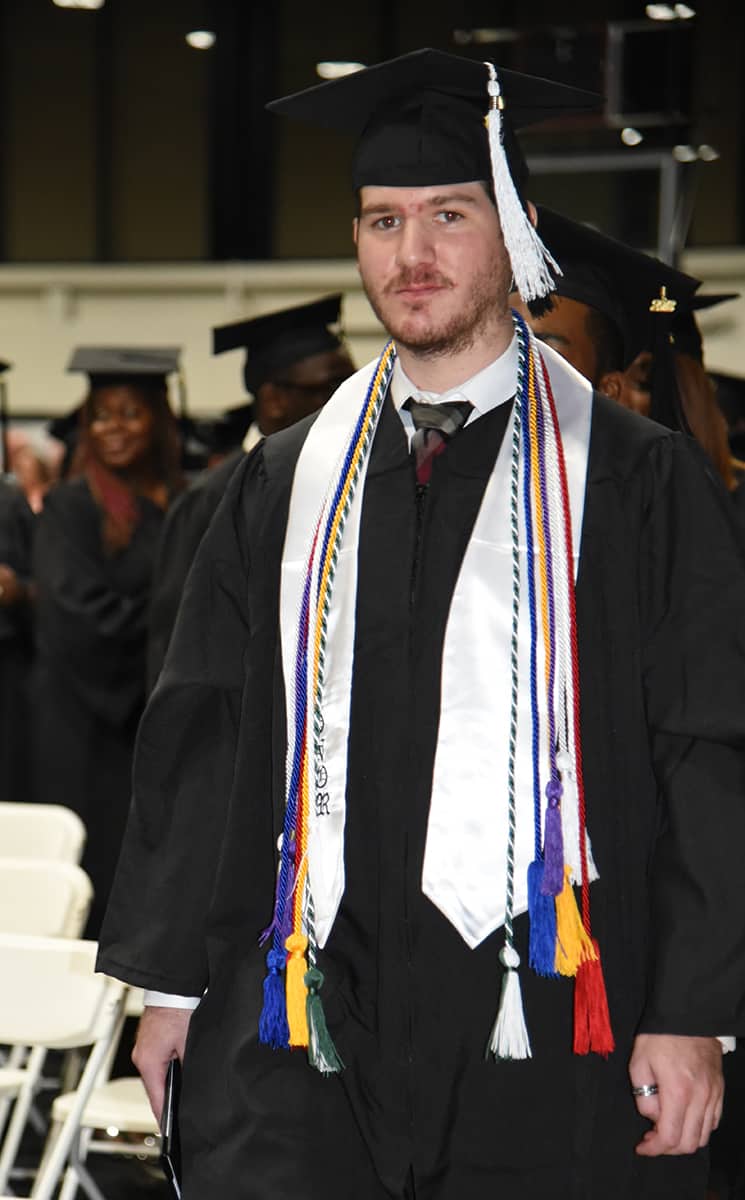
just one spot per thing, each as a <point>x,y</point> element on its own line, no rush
<point>322,1053</point>
<point>273,1030</point>
<point>509,1037</point>
<point>533,267</point>
<point>296,992</point>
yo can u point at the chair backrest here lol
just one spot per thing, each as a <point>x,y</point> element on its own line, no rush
<point>41,831</point>
<point>43,897</point>
<point>50,995</point>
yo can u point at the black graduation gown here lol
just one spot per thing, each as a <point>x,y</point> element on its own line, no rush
<point>89,675</point>
<point>660,594</point>
<point>183,529</point>
<point>16,647</point>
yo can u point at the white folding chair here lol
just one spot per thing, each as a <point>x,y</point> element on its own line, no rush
<point>117,1106</point>
<point>51,999</point>
<point>41,831</point>
<point>43,897</point>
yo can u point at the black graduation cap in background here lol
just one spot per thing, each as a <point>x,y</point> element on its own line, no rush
<point>419,118</point>
<point>111,363</point>
<point>274,341</point>
<point>613,278</point>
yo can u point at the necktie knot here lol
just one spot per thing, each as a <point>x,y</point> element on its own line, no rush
<point>446,418</point>
<point>435,424</point>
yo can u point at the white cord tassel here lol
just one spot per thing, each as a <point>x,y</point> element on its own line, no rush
<point>509,1037</point>
<point>533,267</point>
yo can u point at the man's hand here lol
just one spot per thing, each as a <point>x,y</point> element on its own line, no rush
<point>161,1036</point>
<point>688,1106</point>
<point>11,588</point>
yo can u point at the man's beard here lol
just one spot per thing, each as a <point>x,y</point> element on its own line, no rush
<point>485,304</point>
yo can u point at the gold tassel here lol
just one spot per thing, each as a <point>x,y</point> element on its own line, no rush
<point>573,946</point>
<point>297,993</point>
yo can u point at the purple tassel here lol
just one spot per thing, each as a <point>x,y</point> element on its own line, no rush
<point>273,1027</point>
<point>542,913</point>
<point>553,843</point>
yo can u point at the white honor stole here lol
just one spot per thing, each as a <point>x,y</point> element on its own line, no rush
<point>464,870</point>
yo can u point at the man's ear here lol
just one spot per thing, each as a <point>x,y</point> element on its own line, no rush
<point>611,384</point>
<point>532,213</point>
<point>355,230</point>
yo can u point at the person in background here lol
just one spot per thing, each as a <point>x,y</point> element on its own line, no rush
<point>295,359</point>
<point>92,565</point>
<point>610,321</point>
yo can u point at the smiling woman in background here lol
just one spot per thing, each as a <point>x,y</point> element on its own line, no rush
<point>93,561</point>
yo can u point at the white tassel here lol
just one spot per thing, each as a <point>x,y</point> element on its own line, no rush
<point>533,267</point>
<point>509,1037</point>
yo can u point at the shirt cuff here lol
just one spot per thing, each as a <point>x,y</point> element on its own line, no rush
<point>728,1044</point>
<point>168,1000</point>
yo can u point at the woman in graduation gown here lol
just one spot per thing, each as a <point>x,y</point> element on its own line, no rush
<point>93,562</point>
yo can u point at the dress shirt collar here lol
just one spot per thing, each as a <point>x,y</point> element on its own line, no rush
<point>492,386</point>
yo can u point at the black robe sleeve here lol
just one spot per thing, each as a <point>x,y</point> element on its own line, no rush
<point>154,932</point>
<point>185,525</point>
<point>693,600</point>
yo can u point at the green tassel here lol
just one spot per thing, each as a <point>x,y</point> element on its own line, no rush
<point>322,1053</point>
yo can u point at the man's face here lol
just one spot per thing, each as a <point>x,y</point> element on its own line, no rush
<point>302,389</point>
<point>433,264</point>
<point>565,330</point>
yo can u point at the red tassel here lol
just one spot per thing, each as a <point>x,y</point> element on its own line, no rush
<point>592,1027</point>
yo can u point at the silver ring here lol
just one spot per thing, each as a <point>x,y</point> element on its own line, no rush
<point>645,1089</point>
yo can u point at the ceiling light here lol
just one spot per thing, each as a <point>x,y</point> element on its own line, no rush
<point>684,12</point>
<point>684,154</point>
<point>337,70</point>
<point>201,39</point>
<point>708,153</point>
<point>660,12</point>
<point>79,3</point>
<point>631,136</point>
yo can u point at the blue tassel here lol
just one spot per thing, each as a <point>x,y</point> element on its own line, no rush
<point>542,913</point>
<point>553,843</point>
<point>273,1028</point>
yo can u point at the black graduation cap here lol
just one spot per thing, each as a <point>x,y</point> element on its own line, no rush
<point>112,363</point>
<point>613,278</point>
<point>276,340</point>
<point>430,118</point>
<point>420,118</point>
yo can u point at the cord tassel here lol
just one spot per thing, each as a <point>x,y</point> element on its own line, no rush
<point>592,1027</point>
<point>542,913</point>
<point>553,842</point>
<point>573,946</point>
<point>509,1037</point>
<point>273,1030</point>
<point>322,1053</point>
<point>296,994</point>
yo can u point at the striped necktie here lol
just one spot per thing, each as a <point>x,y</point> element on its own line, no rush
<point>435,425</point>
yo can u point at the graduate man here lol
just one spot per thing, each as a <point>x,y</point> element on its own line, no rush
<point>498,817</point>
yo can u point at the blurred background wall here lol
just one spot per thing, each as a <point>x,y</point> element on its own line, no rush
<point>145,194</point>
